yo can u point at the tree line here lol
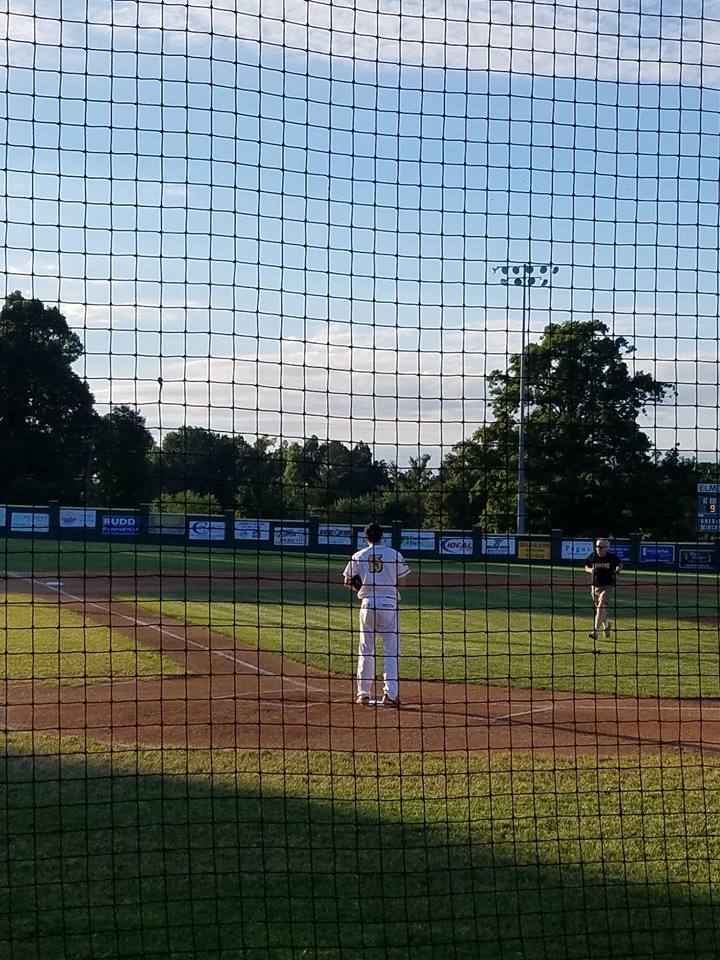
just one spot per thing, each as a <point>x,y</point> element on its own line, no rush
<point>589,465</point>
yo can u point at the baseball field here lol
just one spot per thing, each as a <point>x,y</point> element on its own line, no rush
<point>186,774</point>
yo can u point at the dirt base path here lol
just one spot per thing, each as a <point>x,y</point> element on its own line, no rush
<point>238,697</point>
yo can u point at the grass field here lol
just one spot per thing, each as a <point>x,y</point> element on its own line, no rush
<point>520,631</point>
<point>253,855</point>
<point>224,855</point>
<point>41,641</point>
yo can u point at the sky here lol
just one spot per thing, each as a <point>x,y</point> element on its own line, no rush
<point>293,212</point>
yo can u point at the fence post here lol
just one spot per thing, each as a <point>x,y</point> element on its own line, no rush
<point>144,523</point>
<point>396,535</point>
<point>229,528</point>
<point>53,519</point>
<point>313,534</point>
<point>477,534</point>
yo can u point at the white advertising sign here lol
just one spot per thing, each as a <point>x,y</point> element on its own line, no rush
<point>576,549</point>
<point>340,535</point>
<point>77,517</point>
<point>291,536</point>
<point>30,522</point>
<point>361,542</point>
<point>3,516</point>
<point>417,540</point>
<point>252,529</point>
<point>206,530</point>
<point>498,546</point>
<point>456,546</point>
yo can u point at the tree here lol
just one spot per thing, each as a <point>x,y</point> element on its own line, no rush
<point>588,463</point>
<point>47,419</point>
<point>122,458</point>
<point>187,502</point>
<point>194,458</point>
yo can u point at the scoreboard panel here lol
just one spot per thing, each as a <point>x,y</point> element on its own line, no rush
<point>708,508</point>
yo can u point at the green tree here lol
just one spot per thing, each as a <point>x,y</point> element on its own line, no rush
<point>187,502</point>
<point>588,463</point>
<point>122,458</point>
<point>47,418</point>
<point>194,458</point>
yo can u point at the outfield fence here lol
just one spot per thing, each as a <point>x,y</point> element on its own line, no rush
<point>98,524</point>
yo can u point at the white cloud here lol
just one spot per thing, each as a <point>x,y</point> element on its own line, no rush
<point>528,36</point>
<point>388,394</point>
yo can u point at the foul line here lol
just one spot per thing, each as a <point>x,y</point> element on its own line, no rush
<point>163,630</point>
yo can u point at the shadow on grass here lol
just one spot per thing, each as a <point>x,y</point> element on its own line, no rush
<point>105,862</point>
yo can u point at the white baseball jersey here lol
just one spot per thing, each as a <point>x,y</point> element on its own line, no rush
<point>379,567</point>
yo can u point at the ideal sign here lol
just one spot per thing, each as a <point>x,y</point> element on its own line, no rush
<point>456,546</point>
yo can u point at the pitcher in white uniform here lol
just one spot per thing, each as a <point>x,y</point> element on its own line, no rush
<point>376,571</point>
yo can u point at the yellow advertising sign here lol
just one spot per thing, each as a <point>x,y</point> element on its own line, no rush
<point>533,550</point>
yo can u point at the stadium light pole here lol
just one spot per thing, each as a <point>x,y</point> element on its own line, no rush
<point>524,275</point>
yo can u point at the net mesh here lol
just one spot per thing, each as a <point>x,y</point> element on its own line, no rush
<point>419,293</point>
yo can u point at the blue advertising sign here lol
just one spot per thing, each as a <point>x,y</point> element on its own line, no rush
<point>697,558</point>
<point>657,553</point>
<point>120,525</point>
<point>622,550</point>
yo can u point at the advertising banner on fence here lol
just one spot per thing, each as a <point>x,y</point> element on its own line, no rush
<point>77,517</point>
<point>576,549</point>
<point>206,529</point>
<point>120,525</point>
<point>697,558</point>
<point>340,535</point>
<point>622,550</point>
<point>496,546</point>
<point>534,550</point>
<point>361,542</point>
<point>417,540</point>
<point>166,524</point>
<point>3,516</point>
<point>252,529</point>
<point>31,522</point>
<point>657,553</point>
<point>457,546</point>
<point>291,536</point>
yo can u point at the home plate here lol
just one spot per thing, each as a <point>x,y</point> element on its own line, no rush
<point>53,583</point>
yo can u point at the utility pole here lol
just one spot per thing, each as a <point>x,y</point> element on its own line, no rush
<point>525,275</point>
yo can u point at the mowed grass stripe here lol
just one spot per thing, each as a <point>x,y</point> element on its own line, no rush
<point>42,641</point>
<point>77,557</point>
<point>646,657</point>
<point>242,856</point>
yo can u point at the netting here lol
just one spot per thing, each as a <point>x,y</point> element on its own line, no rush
<point>359,479</point>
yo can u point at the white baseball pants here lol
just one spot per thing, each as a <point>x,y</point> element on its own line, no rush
<point>375,621</point>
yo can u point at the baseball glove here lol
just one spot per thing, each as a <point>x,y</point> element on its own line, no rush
<point>356,582</point>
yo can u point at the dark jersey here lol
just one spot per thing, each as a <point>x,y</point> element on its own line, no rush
<point>604,568</point>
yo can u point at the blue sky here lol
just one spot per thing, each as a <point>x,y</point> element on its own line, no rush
<point>296,225</point>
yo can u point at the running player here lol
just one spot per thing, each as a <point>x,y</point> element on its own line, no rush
<point>375,572</point>
<point>604,568</point>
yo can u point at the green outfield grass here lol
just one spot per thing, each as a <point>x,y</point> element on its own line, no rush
<point>527,646</point>
<point>665,642</point>
<point>55,557</point>
<point>42,641</point>
<point>244,856</point>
